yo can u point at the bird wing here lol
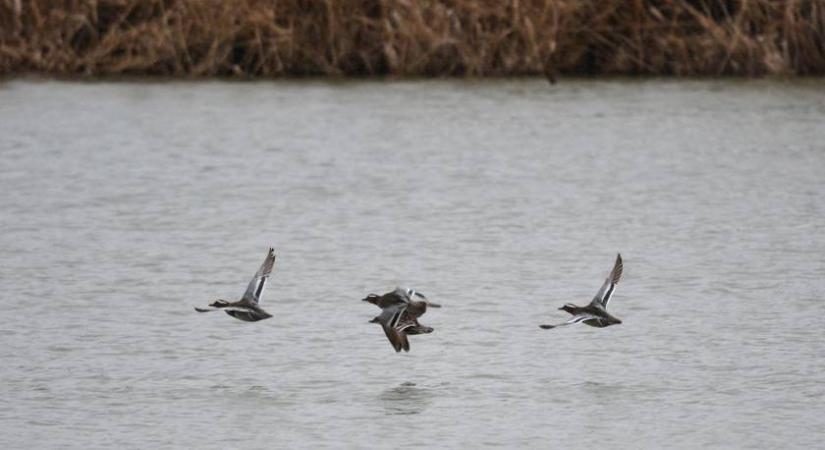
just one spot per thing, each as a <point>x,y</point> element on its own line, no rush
<point>390,318</point>
<point>578,318</point>
<point>606,291</point>
<point>413,292</point>
<point>404,294</point>
<point>256,286</point>
<point>398,339</point>
<point>407,294</point>
<point>407,320</point>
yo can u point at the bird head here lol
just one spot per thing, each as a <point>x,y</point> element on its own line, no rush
<point>372,298</point>
<point>569,307</point>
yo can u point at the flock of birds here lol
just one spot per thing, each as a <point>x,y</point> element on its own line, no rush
<point>401,308</point>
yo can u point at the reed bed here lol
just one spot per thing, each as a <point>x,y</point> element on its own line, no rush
<point>273,38</point>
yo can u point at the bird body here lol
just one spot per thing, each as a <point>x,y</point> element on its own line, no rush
<point>595,314</point>
<point>399,315</point>
<point>247,308</point>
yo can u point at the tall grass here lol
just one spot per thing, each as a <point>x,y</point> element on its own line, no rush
<point>271,38</point>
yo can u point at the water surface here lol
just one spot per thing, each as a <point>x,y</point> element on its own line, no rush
<point>125,204</point>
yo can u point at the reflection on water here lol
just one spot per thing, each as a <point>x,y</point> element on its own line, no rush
<point>406,399</point>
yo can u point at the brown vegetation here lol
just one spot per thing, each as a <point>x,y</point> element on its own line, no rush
<point>270,38</point>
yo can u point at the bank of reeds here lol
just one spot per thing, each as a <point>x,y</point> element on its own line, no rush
<point>271,38</point>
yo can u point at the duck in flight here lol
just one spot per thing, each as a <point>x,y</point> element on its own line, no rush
<point>399,315</point>
<point>595,314</point>
<point>247,308</point>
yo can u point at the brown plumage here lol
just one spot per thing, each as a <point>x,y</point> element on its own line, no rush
<point>399,315</point>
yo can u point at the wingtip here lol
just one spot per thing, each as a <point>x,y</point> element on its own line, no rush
<point>618,268</point>
<point>405,343</point>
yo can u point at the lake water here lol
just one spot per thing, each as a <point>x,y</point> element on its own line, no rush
<point>126,204</point>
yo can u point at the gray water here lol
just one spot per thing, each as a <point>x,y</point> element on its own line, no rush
<point>126,204</point>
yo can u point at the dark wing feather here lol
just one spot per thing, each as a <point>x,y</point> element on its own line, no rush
<point>606,291</point>
<point>390,318</point>
<point>256,286</point>
<point>394,337</point>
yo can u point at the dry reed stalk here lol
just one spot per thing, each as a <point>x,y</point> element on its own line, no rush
<point>271,38</point>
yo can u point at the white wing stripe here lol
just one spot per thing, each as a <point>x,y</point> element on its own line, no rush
<point>608,294</point>
<point>237,308</point>
<point>397,317</point>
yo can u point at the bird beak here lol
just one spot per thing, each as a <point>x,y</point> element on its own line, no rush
<point>561,309</point>
<point>434,305</point>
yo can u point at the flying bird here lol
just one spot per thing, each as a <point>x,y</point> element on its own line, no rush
<point>595,314</point>
<point>399,315</point>
<point>247,308</point>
